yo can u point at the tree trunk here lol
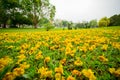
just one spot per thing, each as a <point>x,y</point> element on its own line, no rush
<point>4,25</point>
<point>35,25</point>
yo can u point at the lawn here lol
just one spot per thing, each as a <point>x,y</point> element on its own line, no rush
<point>36,54</point>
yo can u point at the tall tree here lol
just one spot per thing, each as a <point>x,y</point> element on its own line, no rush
<point>104,22</point>
<point>115,20</point>
<point>38,9</point>
<point>93,23</point>
<point>7,10</point>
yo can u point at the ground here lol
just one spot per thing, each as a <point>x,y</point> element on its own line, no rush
<point>61,55</point>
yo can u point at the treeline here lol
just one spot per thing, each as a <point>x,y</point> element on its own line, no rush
<point>40,13</point>
<point>16,13</point>
<point>103,22</point>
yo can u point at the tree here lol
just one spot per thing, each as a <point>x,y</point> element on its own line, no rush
<point>104,22</point>
<point>115,20</point>
<point>43,21</point>
<point>70,25</point>
<point>8,8</point>
<point>93,23</point>
<point>38,9</point>
<point>48,26</point>
<point>79,25</point>
<point>65,23</point>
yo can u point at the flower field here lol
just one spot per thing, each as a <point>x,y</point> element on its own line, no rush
<point>88,54</point>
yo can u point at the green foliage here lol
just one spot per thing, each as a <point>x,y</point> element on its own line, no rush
<point>28,12</point>
<point>104,22</point>
<point>93,23</point>
<point>48,26</point>
<point>43,21</point>
<point>65,23</point>
<point>70,25</point>
<point>115,20</point>
<point>79,25</point>
<point>39,9</point>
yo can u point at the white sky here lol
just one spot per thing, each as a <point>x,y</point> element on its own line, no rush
<point>80,10</point>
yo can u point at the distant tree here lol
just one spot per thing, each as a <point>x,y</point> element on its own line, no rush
<point>7,10</point>
<point>93,23</point>
<point>65,23</point>
<point>43,21</point>
<point>85,24</point>
<point>48,26</point>
<point>104,22</point>
<point>78,25</point>
<point>115,20</point>
<point>38,9</point>
<point>70,25</point>
<point>58,23</point>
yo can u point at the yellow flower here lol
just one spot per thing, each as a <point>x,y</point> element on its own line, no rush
<point>24,46</point>
<point>102,58</point>
<point>32,50</point>
<point>84,49</point>
<point>104,47</point>
<point>44,72</point>
<point>10,47</point>
<point>4,61</point>
<point>117,72</point>
<point>63,61</point>
<point>22,51</point>
<point>63,78</point>
<point>78,62</point>
<point>69,51</point>
<point>89,74</point>
<point>111,70</point>
<point>9,76</point>
<point>57,76</point>
<point>76,72</point>
<point>92,47</point>
<point>1,67</point>
<point>49,73</point>
<point>39,55</point>
<point>18,71</point>
<point>59,70</point>
<point>70,78</point>
<point>47,59</point>
<point>24,65</point>
<point>21,57</point>
<point>116,45</point>
<point>52,48</point>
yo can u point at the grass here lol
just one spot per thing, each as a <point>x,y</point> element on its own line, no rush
<point>28,54</point>
<point>27,29</point>
<point>43,29</point>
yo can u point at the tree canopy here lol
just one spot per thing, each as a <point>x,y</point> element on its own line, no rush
<point>104,22</point>
<point>28,12</point>
<point>115,20</point>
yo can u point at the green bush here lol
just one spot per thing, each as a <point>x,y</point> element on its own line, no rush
<point>48,26</point>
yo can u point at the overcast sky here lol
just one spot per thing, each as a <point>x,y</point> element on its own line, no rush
<point>85,10</point>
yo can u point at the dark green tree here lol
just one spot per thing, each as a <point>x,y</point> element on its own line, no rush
<point>8,8</point>
<point>115,20</point>
<point>38,9</point>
